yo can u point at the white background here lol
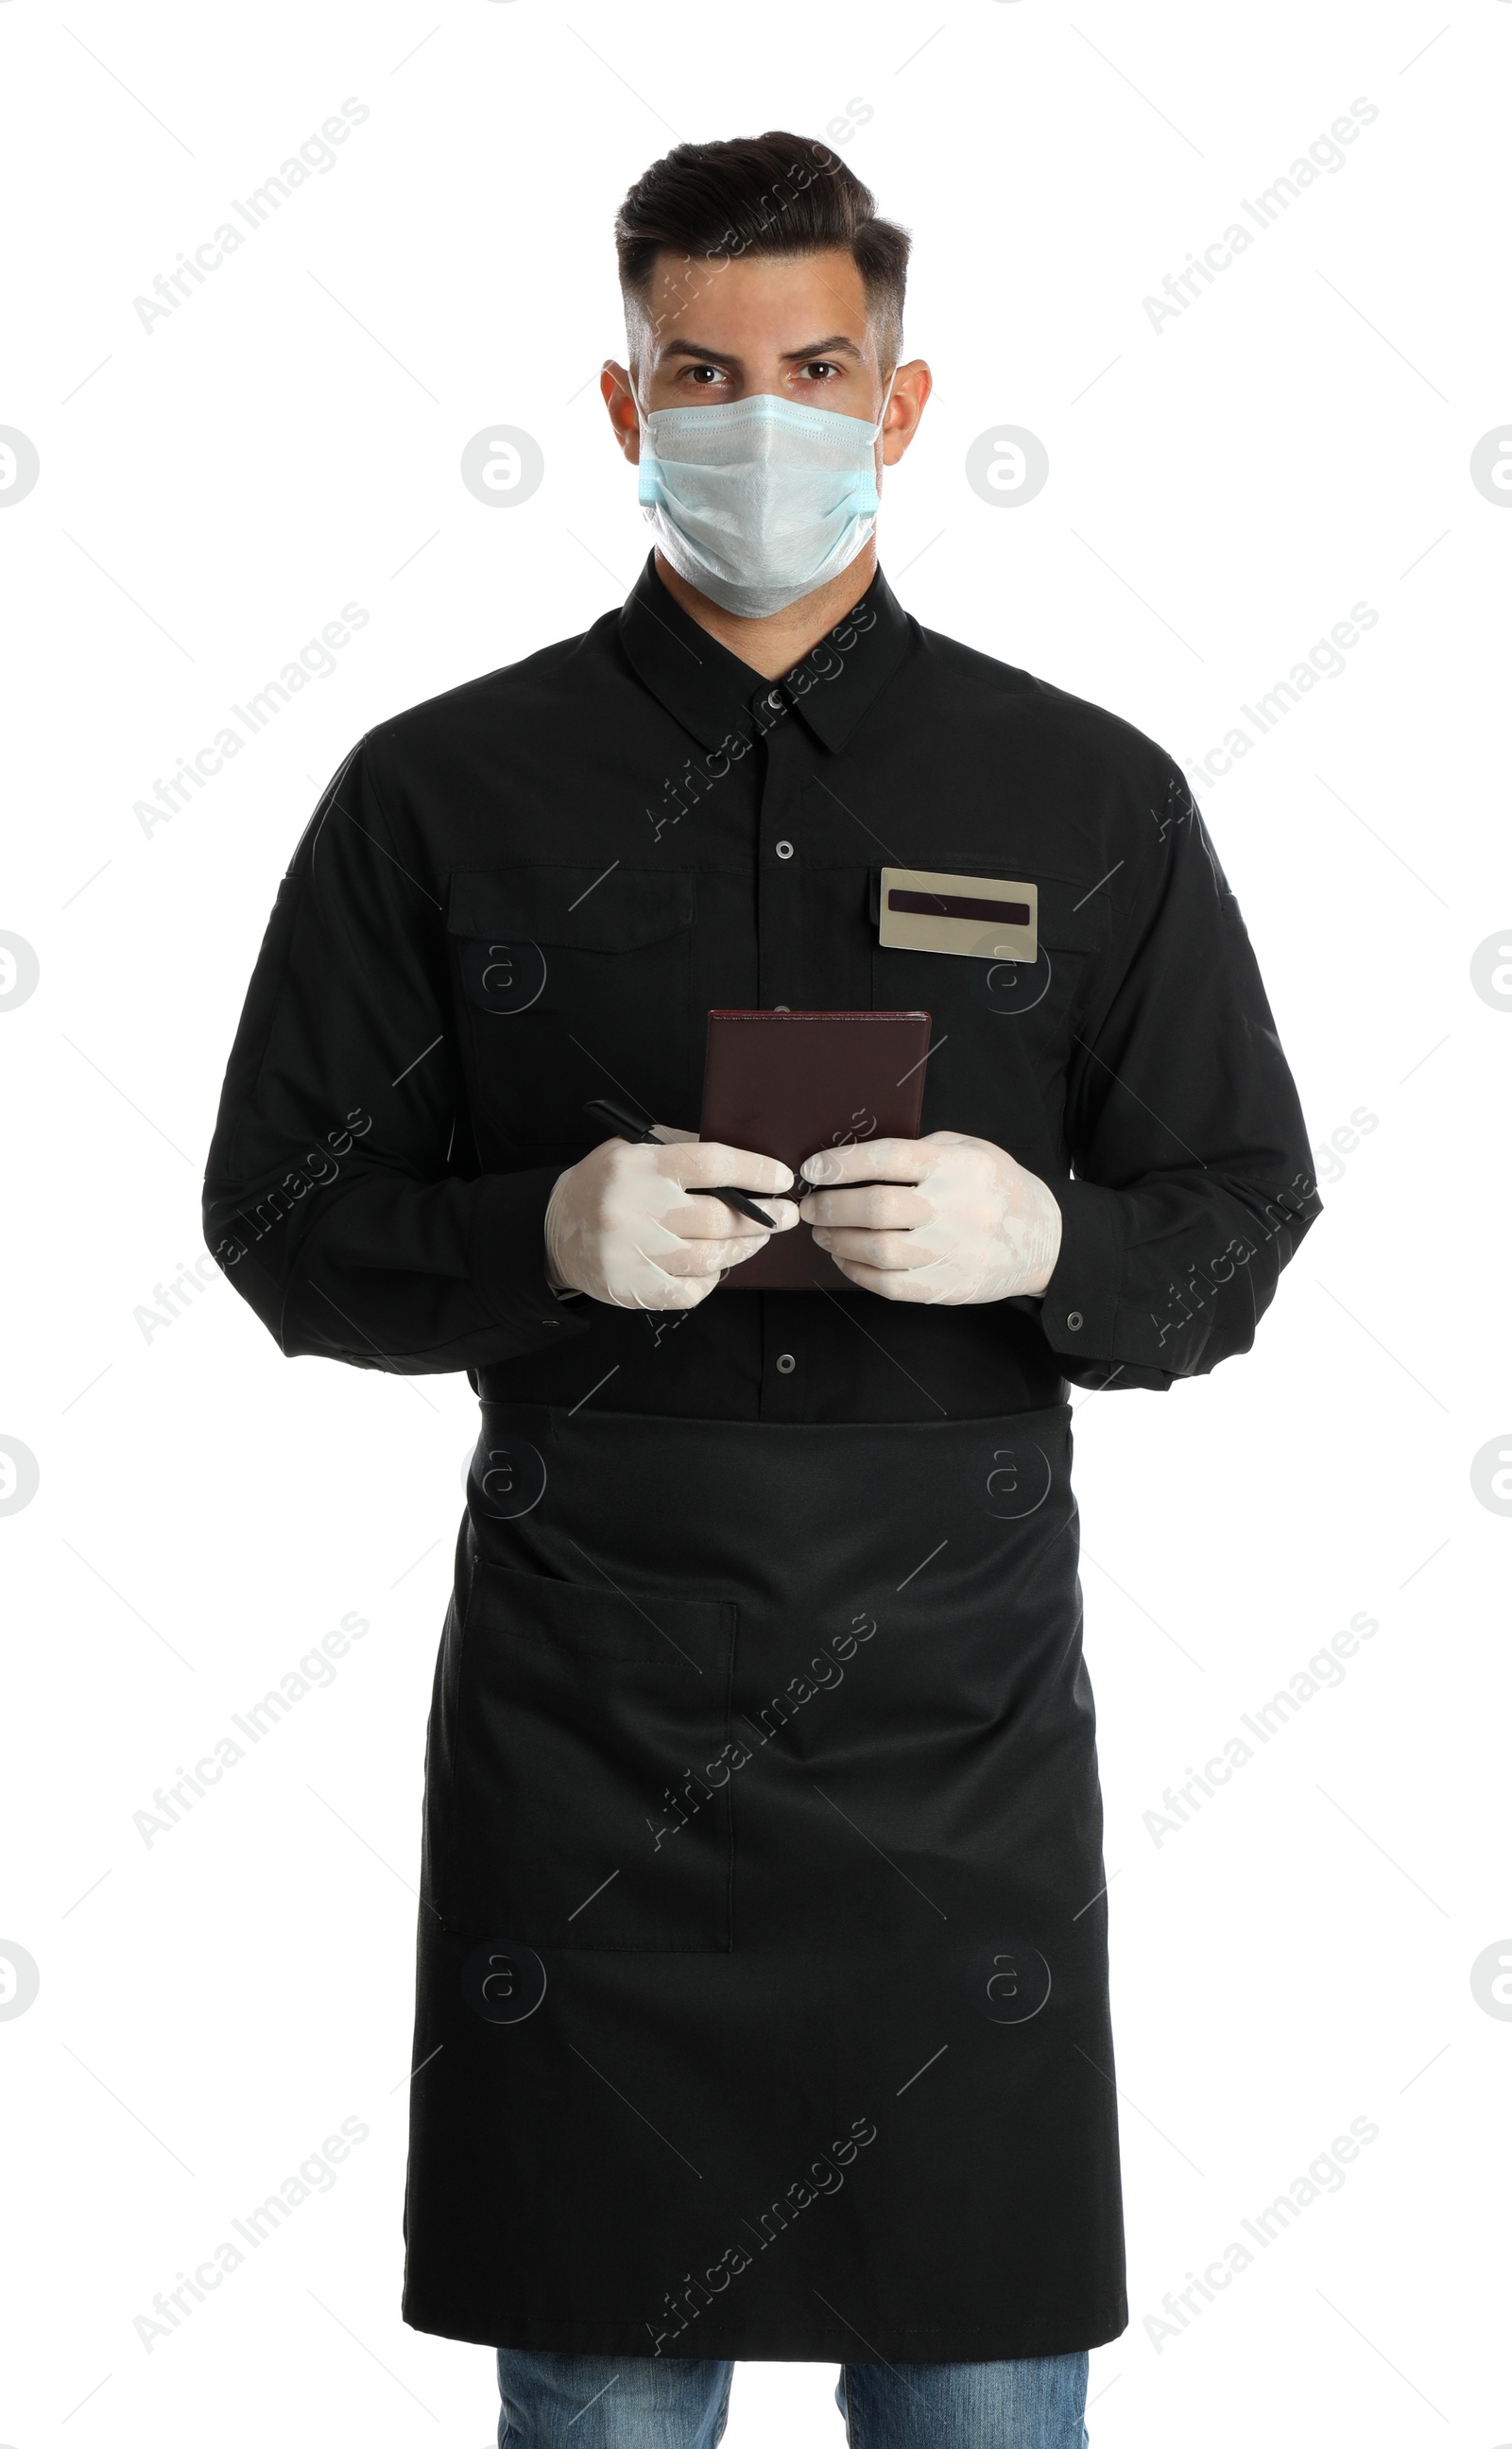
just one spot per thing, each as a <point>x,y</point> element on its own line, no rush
<point>1222,491</point>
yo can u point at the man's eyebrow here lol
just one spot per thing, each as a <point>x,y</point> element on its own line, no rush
<point>827,348</point>
<point>835,343</point>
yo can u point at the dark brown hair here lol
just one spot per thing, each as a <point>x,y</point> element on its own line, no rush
<point>777,194</point>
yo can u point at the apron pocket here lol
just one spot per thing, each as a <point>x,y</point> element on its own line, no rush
<point>593,1765</point>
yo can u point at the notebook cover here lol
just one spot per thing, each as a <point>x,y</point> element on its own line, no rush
<point>789,1083</point>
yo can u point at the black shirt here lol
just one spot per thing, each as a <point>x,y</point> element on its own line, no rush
<point>531,891</point>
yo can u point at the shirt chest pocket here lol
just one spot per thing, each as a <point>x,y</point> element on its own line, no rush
<point>570,981</point>
<point>1009,1023</point>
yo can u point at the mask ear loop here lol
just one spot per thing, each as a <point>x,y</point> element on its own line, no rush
<point>877,430</point>
<point>648,483</point>
<point>876,503</point>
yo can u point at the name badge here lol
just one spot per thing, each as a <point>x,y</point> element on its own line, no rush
<point>979,916</point>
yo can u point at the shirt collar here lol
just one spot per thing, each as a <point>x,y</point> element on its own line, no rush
<point>711,693</point>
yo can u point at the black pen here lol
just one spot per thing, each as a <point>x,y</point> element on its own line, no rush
<point>630,1127</point>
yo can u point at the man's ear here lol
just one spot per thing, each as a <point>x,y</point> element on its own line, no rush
<point>911,386</point>
<point>619,398</point>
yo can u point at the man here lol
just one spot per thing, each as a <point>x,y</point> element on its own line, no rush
<point>762,1962</point>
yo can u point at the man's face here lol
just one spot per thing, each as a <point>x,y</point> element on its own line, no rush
<point>795,327</point>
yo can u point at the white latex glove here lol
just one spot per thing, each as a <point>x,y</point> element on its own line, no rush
<point>955,1219</point>
<point>621,1226</point>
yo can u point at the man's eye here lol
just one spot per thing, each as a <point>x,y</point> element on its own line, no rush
<point>703,376</point>
<point>820,369</point>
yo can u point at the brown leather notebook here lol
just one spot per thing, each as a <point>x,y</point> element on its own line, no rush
<point>790,1083</point>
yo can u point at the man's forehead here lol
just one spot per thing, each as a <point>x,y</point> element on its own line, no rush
<point>782,301</point>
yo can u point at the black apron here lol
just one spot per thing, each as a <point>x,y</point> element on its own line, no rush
<point>762,1996</point>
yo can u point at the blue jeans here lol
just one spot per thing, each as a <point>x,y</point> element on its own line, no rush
<point>556,2402</point>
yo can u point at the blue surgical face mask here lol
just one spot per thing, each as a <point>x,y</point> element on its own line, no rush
<point>757,502</point>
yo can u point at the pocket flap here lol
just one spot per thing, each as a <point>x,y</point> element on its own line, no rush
<point>1073,917</point>
<point>601,909</point>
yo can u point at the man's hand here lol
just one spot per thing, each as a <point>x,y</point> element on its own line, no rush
<point>621,1226</point>
<point>954,1219</point>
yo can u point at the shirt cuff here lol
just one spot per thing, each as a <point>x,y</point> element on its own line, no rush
<point>509,1258</point>
<point>1080,1305</point>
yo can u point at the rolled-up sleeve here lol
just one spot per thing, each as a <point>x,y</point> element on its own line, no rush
<point>1192,1182</point>
<point>339,1199</point>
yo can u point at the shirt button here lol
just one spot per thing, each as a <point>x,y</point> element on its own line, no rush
<point>775,699</point>
<point>784,850</point>
<point>1073,1319</point>
<point>786,1364</point>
